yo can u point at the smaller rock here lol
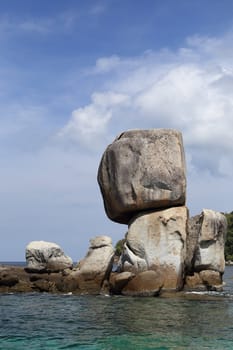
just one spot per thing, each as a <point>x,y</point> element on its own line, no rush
<point>7,279</point>
<point>119,280</point>
<point>204,280</point>
<point>46,256</point>
<point>42,286</point>
<point>14,279</point>
<point>194,282</point>
<point>100,241</point>
<point>146,283</point>
<point>208,254</point>
<point>211,279</point>
<point>96,266</point>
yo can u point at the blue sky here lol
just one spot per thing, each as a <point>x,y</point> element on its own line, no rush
<point>74,74</point>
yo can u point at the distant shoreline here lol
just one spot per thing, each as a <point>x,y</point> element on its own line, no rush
<point>13,263</point>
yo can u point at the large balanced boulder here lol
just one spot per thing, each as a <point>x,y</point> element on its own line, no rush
<point>46,256</point>
<point>157,241</point>
<point>96,266</point>
<point>206,240</point>
<point>142,170</point>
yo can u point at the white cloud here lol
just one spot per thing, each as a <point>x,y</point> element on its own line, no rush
<point>106,64</point>
<point>190,89</point>
<point>64,21</point>
<point>88,125</point>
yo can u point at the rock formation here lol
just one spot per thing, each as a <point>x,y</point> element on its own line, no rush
<point>45,275</point>
<point>95,268</point>
<point>46,256</point>
<point>158,238</point>
<point>205,262</point>
<point>143,183</point>
<point>142,170</point>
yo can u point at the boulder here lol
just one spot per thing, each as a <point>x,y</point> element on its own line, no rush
<point>46,256</point>
<point>194,282</point>
<point>118,281</point>
<point>14,279</point>
<point>96,266</point>
<point>211,279</point>
<point>146,283</point>
<point>142,170</point>
<point>8,277</point>
<point>204,280</point>
<point>207,233</point>
<point>157,241</point>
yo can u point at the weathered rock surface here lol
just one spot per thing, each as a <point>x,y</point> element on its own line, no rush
<point>142,180</point>
<point>206,240</point>
<point>119,280</point>
<point>204,280</point>
<point>96,266</point>
<point>142,170</point>
<point>146,283</point>
<point>194,282</point>
<point>20,280</point>
<point>48,256</point>
<point>193,232</point>
<point>157,241</point>
<point>211,279</point>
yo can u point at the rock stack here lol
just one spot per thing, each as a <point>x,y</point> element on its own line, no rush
<point>142,178</point>
<point>143,182</point>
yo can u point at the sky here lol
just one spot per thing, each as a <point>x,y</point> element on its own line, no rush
<point>73,75</point>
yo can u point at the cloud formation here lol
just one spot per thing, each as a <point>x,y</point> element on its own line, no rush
<point>88,125</point>
<point>189,89</point>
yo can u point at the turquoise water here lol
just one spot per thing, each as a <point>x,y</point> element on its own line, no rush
<point>43,321</point>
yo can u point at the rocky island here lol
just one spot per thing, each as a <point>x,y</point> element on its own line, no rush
<point>142,178</point>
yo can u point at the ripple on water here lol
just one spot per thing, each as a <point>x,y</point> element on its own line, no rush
<point>43,321</point>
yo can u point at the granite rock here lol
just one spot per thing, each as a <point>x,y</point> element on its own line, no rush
<point>146,283</point>
<point>46,256</point>
<point>207,234</point>
<point>142,170</point>
<point>157,241</point>
<point>96,266</point>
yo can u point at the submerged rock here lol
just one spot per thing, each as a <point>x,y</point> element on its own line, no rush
<point>46,256</point>
<point>142,170</point>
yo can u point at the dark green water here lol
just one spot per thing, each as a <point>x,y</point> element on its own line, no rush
<point>43,321</point>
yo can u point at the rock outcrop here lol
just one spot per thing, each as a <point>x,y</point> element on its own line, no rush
<point>206,239</point>
<point>46,256</point>
<point>142,170</point>
<point>209,253</point>
<point>95,268</point>
<point>159,240</point>
<point>146,283</point>
<point>205,262</point>
<point>143,183</point>
<point>118,281</point>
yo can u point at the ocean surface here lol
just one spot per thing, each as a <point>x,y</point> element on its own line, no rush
<point>45,321</point>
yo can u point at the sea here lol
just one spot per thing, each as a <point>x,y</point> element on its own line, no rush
<point>45,321</point>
